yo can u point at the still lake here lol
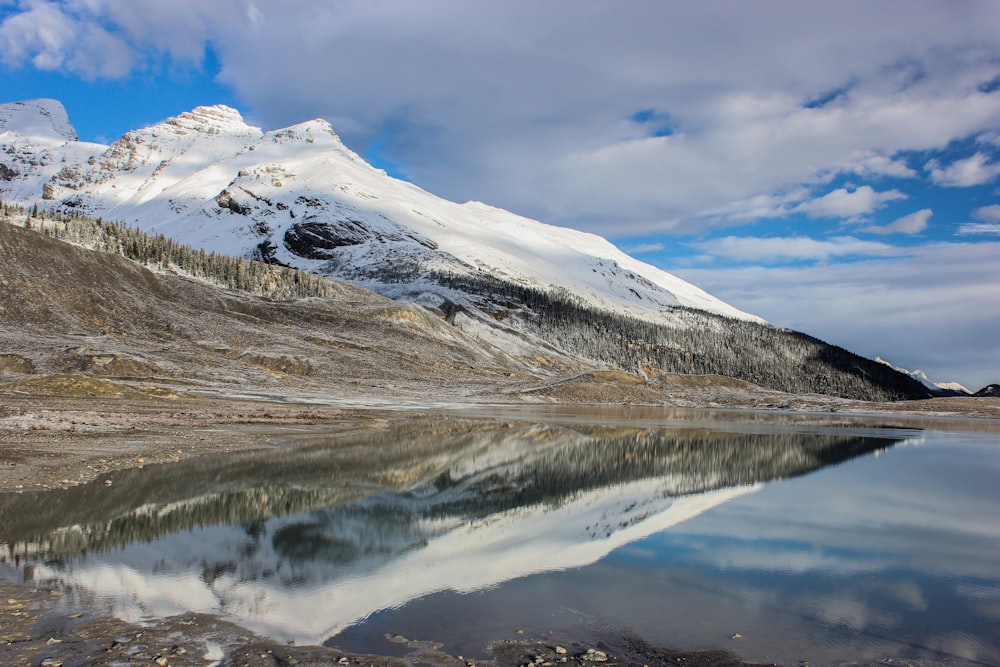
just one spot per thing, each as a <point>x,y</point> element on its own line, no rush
<point>781,539</point>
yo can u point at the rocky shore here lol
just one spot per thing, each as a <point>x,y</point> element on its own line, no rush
<point>39,632</point>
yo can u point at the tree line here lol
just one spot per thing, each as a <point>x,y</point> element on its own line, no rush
<point>161,253</point>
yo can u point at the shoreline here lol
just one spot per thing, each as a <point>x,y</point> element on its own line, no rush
<point>49,442</point>
<point>39,631</point>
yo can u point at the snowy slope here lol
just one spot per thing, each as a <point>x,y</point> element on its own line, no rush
<point>42,119</point>
<point>299,196</point>
<point>37,142</point>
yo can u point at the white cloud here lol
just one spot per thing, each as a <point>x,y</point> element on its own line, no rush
<point>913,223</point>
<point>643,248</point>
<point>109,38</point>
<point>870,164</point>
<point>979,228</point>
<point>41,35</point>
<point>527,105</point>
<point>992,138</point>
<point>793,249</point>
<point>974,170</point>
<point>850,204</point>
<point>988,225</point>
<point>987,213</point>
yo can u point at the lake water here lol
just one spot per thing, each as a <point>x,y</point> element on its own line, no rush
<point>813,539</point>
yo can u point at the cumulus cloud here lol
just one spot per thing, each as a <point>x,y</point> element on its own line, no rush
<point>793,249</point>
<point>110,38</point>
<point>536,106</point>
<point>913,223</point>
<point>987,213</point>
<point>974,170</point>
<point>51,40</point>
<point>850,204</point>
<point>870,164</point>
<point>991,138</point>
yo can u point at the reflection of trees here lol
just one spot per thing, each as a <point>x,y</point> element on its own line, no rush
<point>686,464</point>
<point>380,489</point>
<point>148,523</point>
<point>142,505</point>
<point>343,534</point>
<point>303,540</point>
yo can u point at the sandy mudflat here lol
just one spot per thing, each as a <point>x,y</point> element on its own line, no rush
<point>57,442</point>
<point>53,441</point>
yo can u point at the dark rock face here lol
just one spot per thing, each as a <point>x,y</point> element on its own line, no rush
<point>313,239</point>
<point>226,200</point>
<point>989,391</point>
<point>7,173</point>
<point>318,240</point>
<point>264,252</point>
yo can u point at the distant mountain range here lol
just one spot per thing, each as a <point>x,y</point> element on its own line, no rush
<point>299,198</point>
<point>936,388</point>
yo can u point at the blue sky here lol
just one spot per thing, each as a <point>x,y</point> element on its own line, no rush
<point>832,167</point>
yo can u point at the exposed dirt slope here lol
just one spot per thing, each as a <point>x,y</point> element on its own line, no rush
<point>65,310</point>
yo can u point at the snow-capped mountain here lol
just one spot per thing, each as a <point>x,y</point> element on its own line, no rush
<point>299,196</point>
<point>937,388</point>
<point>37,141</point>
<point>551,297</point>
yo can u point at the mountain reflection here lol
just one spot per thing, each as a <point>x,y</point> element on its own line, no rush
<point>346,527</point>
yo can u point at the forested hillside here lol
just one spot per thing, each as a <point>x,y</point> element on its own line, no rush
<point>159,252</point>
<point>700,343</point>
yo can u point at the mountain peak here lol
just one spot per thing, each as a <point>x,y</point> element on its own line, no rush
<point>39,118</point>
<point>215,119</point>
<point>310,132</point>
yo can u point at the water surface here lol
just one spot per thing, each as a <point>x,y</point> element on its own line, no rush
<point>818,541</point>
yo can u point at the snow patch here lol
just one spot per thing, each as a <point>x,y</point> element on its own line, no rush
<point>43,119</point>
